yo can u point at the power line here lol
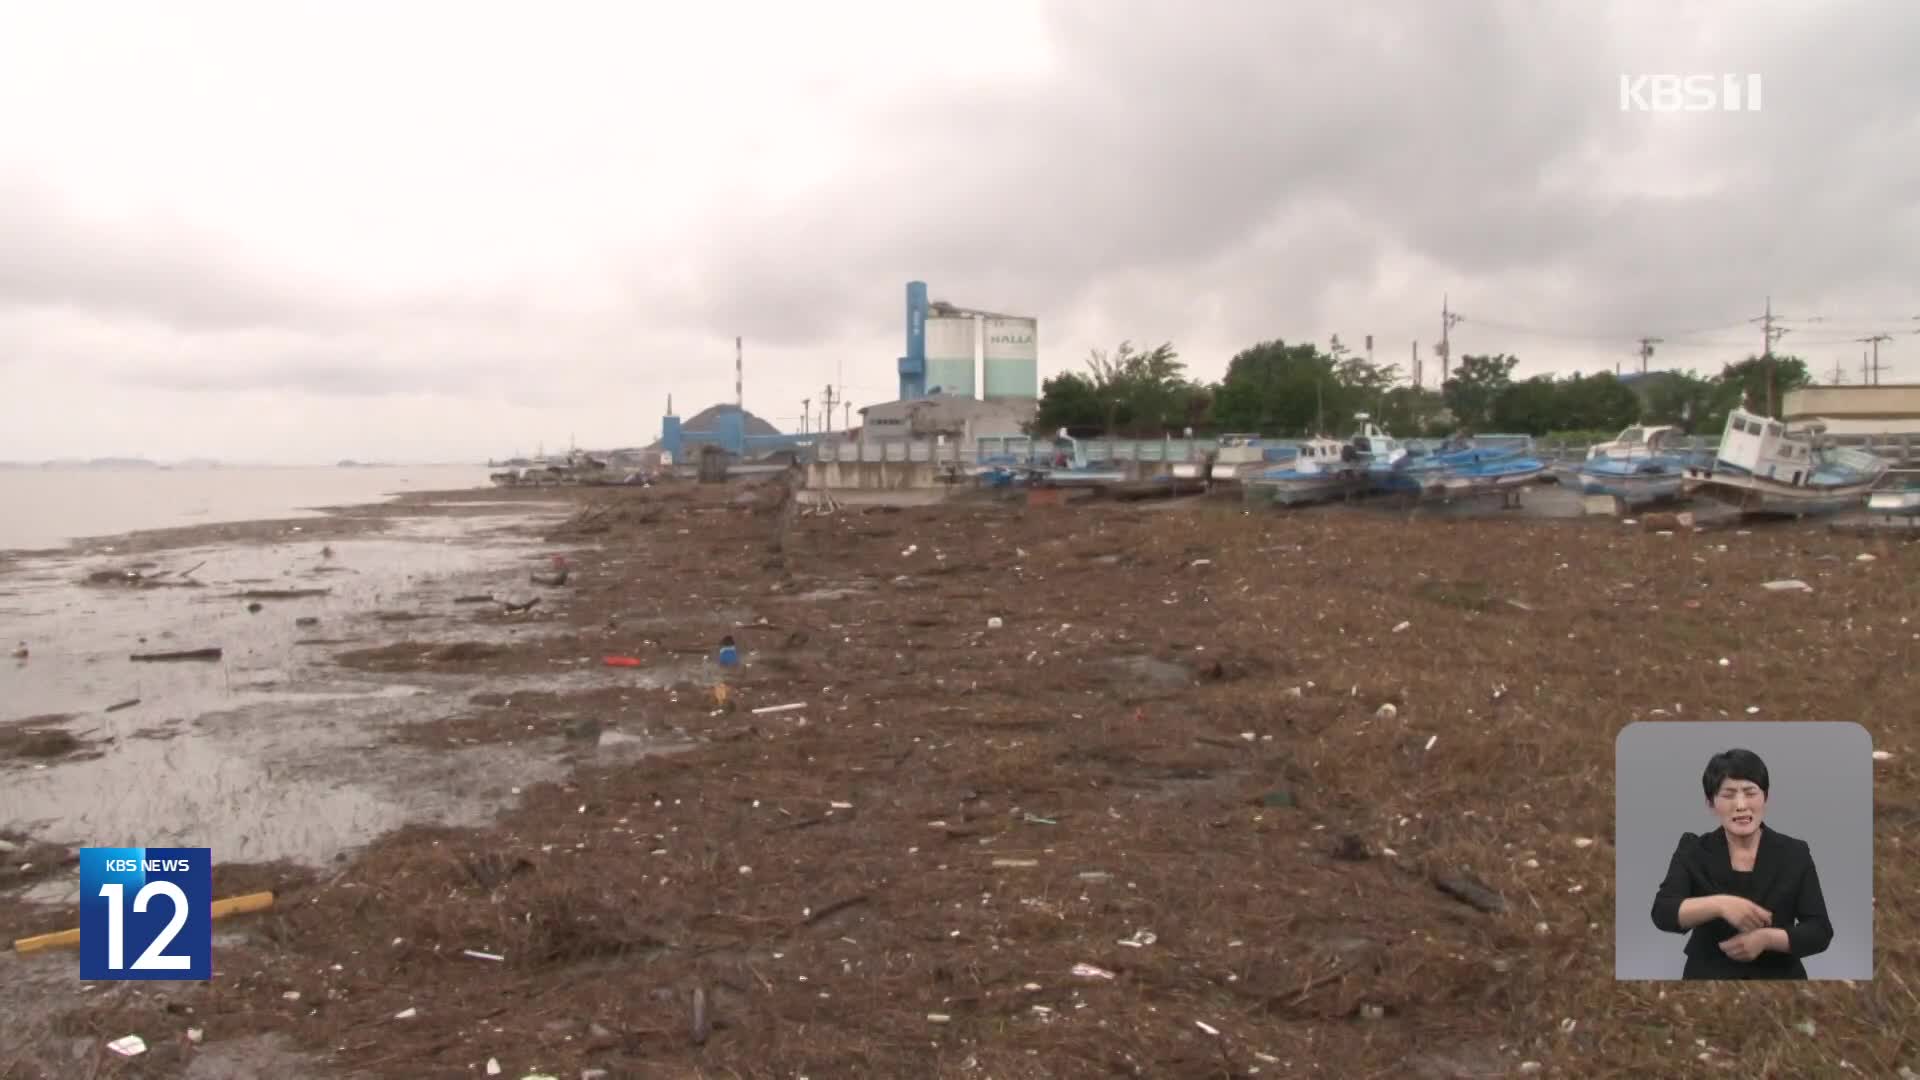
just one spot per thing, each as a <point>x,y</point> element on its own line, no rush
<point>1573,335</point>
<point>1875,341</point>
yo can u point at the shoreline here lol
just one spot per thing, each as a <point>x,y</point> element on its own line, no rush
<point>364,574</point>
<point>327,502</point>
<point>1028,739</point>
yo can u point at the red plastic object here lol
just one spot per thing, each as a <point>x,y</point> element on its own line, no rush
<point>623,661</point>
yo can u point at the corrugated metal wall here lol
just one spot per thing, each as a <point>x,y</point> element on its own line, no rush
<point>1012,358</point>
<point>950,355</point>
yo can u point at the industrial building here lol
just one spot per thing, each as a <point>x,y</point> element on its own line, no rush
<point>1891,409</point>
<point>939,393</point>
<point>952,417</point>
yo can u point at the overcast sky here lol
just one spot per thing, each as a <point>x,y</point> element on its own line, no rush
<point>434,231</point>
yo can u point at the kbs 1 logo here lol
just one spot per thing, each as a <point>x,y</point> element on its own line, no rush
<point>146,913</point>
<point>1689,93</point>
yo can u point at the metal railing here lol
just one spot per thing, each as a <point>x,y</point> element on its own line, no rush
<point>1902,449</point>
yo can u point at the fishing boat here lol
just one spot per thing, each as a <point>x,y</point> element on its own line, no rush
<point>1481,465</point>
<point>1641,465</point>
<point>1384,457</point>
<point>1764,466</point>
<point>1069,467</point>
<point>1321,469</point>
<point>1242,455</point>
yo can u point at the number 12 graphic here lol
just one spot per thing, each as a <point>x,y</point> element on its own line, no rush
<point>151,904</point>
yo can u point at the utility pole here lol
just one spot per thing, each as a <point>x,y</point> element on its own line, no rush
<point>739,380</point>
<point>847,407</point>
<point>806,404</point>
<point>1646,351</point>
<point>1771,334</point>
<point>1448,318</point>
<point>1875,341</point>
<point>827,397</point>
<point>1416,365</point>
<point>1840,376</point>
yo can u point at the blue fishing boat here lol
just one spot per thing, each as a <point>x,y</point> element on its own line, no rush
<point>1766,467</point>
<point>1481,465</point>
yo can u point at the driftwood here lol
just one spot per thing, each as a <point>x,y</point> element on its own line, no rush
<point>185,654</point>
<point>282,594</point>
<point>128,704</point>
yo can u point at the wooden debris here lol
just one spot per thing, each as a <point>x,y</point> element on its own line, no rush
<point>184,654</point>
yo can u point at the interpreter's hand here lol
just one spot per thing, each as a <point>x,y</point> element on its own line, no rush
<point>1744,914</point>
<point>1745,947</point>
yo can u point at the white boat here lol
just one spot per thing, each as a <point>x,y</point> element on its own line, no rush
<point>1764,466</point>
<point>1241,456</point>
<point>1637,444</point>
<point>1321,469</point>
<point>1641,465</point>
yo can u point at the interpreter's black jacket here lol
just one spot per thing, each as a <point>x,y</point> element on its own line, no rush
<point>1782,880</point>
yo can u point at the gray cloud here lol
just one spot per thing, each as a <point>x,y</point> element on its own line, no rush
<point>1212,174</point>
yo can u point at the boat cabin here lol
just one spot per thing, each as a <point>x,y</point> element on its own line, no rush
<point>1318,455</point>
<point>1373,441</point>
<point>1240,449</point>
<point>1634,442</point>
<point>1769,449</point>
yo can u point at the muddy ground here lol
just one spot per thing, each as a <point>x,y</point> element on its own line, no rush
<point>1152,821</point>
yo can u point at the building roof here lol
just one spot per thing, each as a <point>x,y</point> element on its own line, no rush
<point>708,419</point>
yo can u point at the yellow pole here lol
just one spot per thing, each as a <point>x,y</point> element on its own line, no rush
<point>232,905</point>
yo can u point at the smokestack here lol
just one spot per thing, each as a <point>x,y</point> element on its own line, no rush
<point>739,381</point>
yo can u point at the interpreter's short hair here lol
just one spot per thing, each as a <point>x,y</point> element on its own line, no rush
<point>1733,764</point>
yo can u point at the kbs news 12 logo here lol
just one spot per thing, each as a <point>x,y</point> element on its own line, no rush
<point>146,913</point>
<point>1689,93</point>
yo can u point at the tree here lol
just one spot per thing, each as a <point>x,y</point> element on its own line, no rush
<point>1279,389</point>
<point>1680,398</point>
<point>1533,406</point>
<point>1475,385</point>
<point>1069,401</point>
<point>1125,392</point>
<point>1408,411</point>
<point>1599,402</point>
<point>1744,385</point>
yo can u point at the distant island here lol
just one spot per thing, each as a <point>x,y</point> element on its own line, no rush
<point>130,464</point>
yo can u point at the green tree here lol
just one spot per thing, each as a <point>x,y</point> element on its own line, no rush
<point>1070,401</point>
<point>1599,402</point>
<point>1475,385</point>
<point>1277,389</point>
<point>1125,392</point>
<point>1681,398</point>
<point>1744,385</point>
<point>1532,406</point>
<point>1408,411</point>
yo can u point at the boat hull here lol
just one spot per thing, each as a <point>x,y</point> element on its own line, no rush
<point>1297,491</point>
<point>1632,489</point>
<point>1457,486</point>
<point>1754,495</point>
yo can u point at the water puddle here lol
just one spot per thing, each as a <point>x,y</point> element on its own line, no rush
<point>272,751</point>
